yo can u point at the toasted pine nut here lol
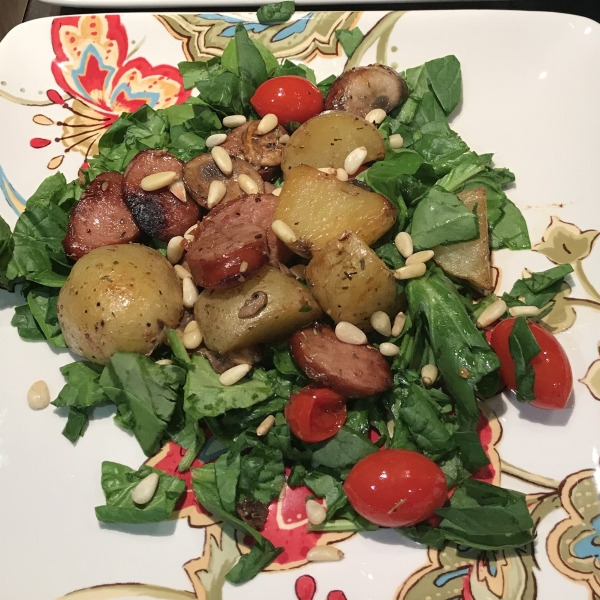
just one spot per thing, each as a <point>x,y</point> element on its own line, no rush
<point>38,396</point>
<point>491,314</point>
<point>341,174</point>
<point>524,311</point>
<point>526,274</point>
<point>222,160</point>
<point>157,181</point>
<point>284,139</point>
<point>265,426</point>
<point>247,184</point>
<point>175,249</point>
<point>243,267</point>
<point>396,141</point>
<point>192,336</point>
<point>215,140</point>
<point>324,554</point>
<point>420,257</point>
<point>429,374</point>
<point>216,193</point>
<point>190,293</point>
<point>388,349</point>
<point>284,232</point>
<point>233,375</point>
<point>315,512</point>
<point>267,123</point>
<point>177,188</point>
<point>299,271</point>
<point>191,231</point>
<point>355,159</point>
<point>376,116</point>
<point>277,191</point>
<point>327,170</point>
<point>404,244</point>
<point>163,362</point>
<point>381,323</point>
<point>350,334</point>
<point>411,271</point>
<point>398,325</point>
<point>144,491</point>
<point>182,272</point>
<point>104,186</point>
<point>234,121</point>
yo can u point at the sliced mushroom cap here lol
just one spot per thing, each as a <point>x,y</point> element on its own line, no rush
<point>202,170</point>
<point>362,89</point>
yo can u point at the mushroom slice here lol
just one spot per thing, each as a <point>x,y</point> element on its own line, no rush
<point>362,89</point>
<point>199,172</point>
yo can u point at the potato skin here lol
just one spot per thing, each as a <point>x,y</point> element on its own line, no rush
<point>216,312</point>
<point>350,282</point>
<point>119,299</point>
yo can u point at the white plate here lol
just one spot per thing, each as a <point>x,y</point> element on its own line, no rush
<point>531,88</point>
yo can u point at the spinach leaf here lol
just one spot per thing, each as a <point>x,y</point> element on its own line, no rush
<point>523,349</point>
<point>344,449</point>
<point>26,325</point>
<point>325,85</point>
<point>278,12</point>
<point>251,65</point>
<point>227,475</point>
<point>7,246</point>
<point>193,72</point>
<point>350,39</point>
<point>83,389</point>
<point>76,424</point>
<point>287,67</point>
<point>445,80</point>
<point>42,304</point>
<point>325,486</point>
<point>262,474</point>
<point>539,289</point>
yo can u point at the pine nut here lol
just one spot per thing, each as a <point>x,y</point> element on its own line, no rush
<point>355,159</point>
<point>175,249</point>
<point>157,181</point>
<point>216,193</point>
<point>491,314</point>
<point>324,554</point>
<point>404,244</point>
<point>328,170</point>
<point>398,325</point>
<point>104,186</point>
<point>526,274</point>
<point>233,375</point>
<point>192,336</point>
<point>163,362</point>
<point>420,257</point>
<point>429,374</point>
<point>190,234</point>
<point>243,267</point>
<point>38,396</point>
<point>177,188</point>
<point>341,175</point>
<point>381,323</point>
<point>144,491</point>
<point>222,160</point>
<point>524,311</point>
<point>215,140</point>
<point>284,139</point>
<point>388,349</point>
<point>182,272</point>
<point>190,293</point>
<point>265,426</point>
<point>284,232</point>
<point>234,121</point>
<point>396,141</point>
<point>299,271</point>
<point>411,271</point>
<point>247,184</point>
<point>277,191</point>
<point>376,116</point>
<point>315,512</point>
<point>350,334</point>
<point>267,123</point>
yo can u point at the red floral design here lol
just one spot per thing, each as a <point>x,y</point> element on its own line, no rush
<point>306,588</point>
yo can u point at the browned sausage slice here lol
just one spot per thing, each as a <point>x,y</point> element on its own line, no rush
<point>202,170</point>
<point>100,218</point>
<point>362,89</point>
<point>160,214</point>
<point>352,371</point>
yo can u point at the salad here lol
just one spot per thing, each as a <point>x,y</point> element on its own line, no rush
<point>300,270</point>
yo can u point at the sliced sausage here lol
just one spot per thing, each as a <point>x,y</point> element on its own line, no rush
<point>100,218</point>
<point>362,89</point>
<point>225,258</point>
<point>353,371</point>
<point>202,170</point>
<point>160,214</point>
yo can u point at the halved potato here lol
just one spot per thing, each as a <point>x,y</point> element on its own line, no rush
<point>326,140</point>
<point>350,282</point>
<point>282,306</point>
<point>319,208</point>
<point>470,260</point>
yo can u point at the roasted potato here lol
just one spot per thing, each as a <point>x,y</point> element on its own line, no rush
<point>119,299</point>
<point>470,260</point>
<point>350,282</point>
<point>268,307</point>
<point>326,140</point>
<point>319,208</point>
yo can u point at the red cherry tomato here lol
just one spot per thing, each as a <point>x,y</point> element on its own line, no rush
<point>553,375</point>
<point>290,97</point>
<point>315,413</point>
<point>396,488</point>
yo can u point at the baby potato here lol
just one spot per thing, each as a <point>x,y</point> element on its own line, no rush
<point>119,299</point>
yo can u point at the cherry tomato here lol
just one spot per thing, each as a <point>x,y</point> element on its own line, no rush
<point>553,375</point>
<point>290,97</point>
<point>315,413</point>
<point>396,488</point>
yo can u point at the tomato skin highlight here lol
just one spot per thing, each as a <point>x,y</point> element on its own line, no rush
<point>290,97</point>
<point>315,413</point>
<point>553,375</point>
<point>396,488</point>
